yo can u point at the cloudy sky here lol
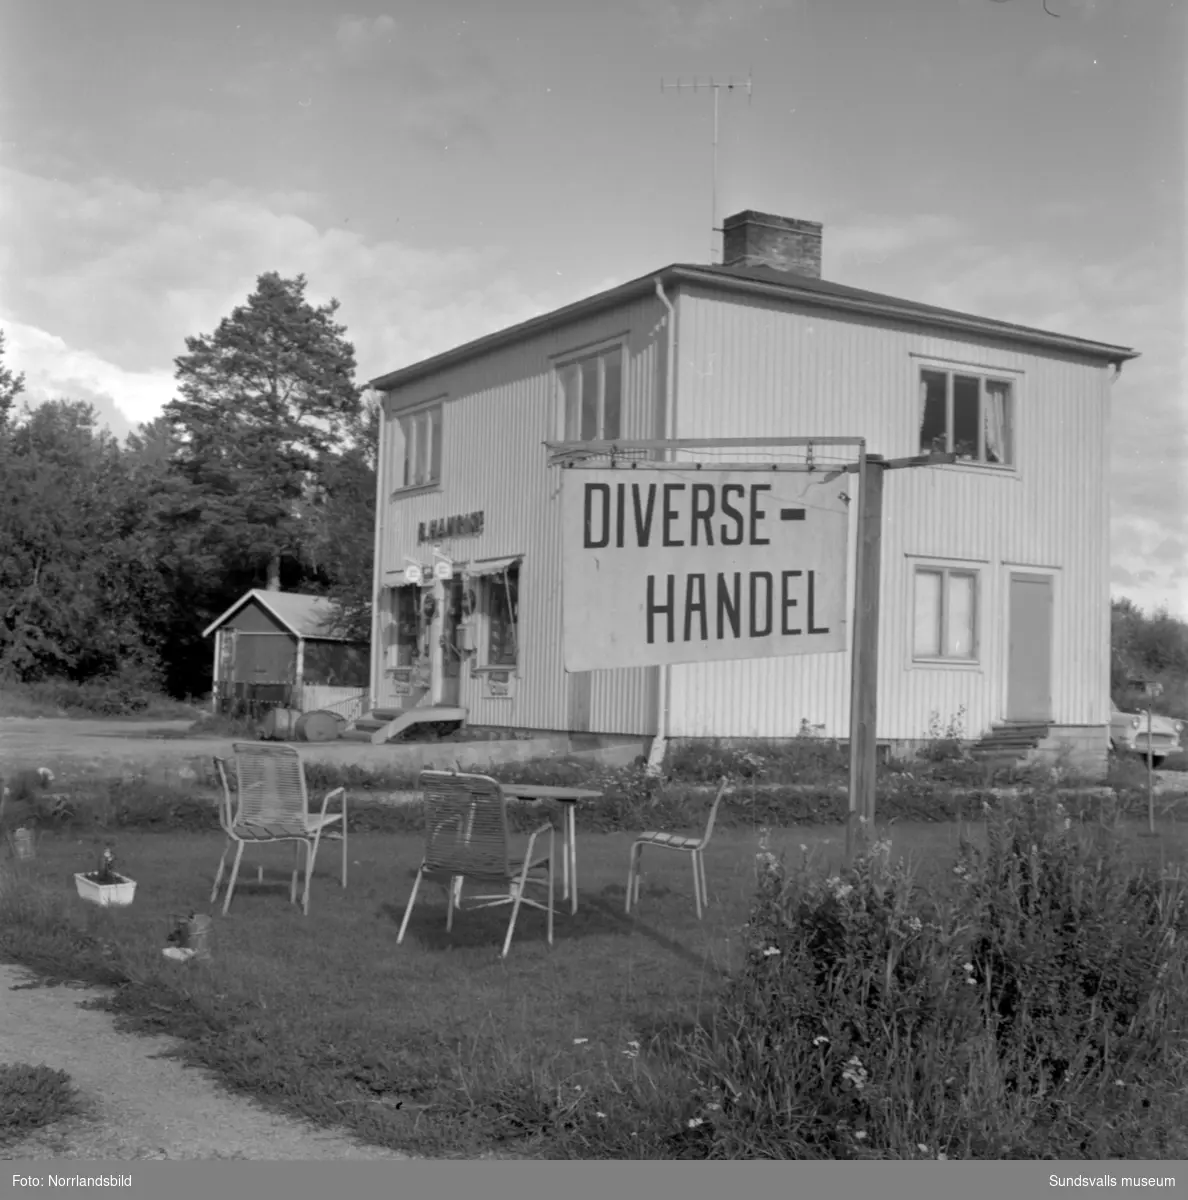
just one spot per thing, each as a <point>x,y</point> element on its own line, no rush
<point>449,168</point>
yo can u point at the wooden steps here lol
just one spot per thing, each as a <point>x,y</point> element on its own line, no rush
<point>1008,744</point>
<point>383,725</point>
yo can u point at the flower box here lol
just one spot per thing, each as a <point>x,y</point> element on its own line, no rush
<point>109,895</point>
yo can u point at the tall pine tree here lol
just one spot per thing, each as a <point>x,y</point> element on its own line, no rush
<point>342,519</point>
<point>264,402</point>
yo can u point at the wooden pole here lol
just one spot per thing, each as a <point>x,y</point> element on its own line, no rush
<point>1150,773</point>
<point>864,666</point>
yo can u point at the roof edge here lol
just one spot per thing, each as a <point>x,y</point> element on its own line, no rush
<point>513,333</point>
<point>686,273</point>
<point>259,595</point>
<point>907,311</point>
<point>232,611</point>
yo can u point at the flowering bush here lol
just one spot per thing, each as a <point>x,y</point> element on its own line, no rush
<point>1071,950</point>
<point>839,994</point>
<point>875,1018</point>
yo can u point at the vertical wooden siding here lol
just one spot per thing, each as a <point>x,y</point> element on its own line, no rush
<point>757,369</point>
<point>499,411</point>
<point>760,369</point>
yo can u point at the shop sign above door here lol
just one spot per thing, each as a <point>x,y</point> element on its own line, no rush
<point>462,525</point>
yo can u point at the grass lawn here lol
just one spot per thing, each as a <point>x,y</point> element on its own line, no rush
<point>436,1046</point>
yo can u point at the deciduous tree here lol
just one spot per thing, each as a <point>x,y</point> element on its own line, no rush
<point>11,386</point>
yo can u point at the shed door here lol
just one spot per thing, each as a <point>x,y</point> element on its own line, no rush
<point>1029,670</point>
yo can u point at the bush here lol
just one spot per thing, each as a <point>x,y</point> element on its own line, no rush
<point>982,1025</point>
<point>804,759</point>
<point>132,691</point>
<point>24,800</point>
<point>1071,949</point>
<point>31,1097</point>
<point>1032,1009</point>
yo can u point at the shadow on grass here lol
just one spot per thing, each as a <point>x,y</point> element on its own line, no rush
<point>597,917</point>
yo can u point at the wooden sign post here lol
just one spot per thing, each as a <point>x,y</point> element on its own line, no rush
<point>864,666</point>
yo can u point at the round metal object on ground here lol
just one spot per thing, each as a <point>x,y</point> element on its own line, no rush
<point>318,727</point>
<point>279,724</point>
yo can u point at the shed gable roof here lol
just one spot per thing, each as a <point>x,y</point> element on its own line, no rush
<point>303,616</point>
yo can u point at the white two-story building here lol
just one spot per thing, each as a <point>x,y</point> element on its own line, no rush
<point>995,569</point>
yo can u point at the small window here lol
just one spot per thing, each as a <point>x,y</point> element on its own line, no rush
<point>967,415</point>
<point>422,447</point>
<point>945,614</point>
<point>335,664</point>
<point>503,613</point>
<point>592,397</point>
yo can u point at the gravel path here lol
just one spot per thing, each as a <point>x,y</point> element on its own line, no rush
<point>82,747</point>
<point>139,1104</point>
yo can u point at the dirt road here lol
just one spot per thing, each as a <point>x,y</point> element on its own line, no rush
<point>114,747</point>
<point>138,1104</point>
<point>112,744</point>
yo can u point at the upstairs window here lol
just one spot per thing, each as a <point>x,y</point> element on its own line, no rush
<point>592,396</point>
<point>968,415</point>
<point>422,447</point>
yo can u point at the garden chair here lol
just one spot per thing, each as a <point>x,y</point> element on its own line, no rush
<point>466,838</point>
<point>692,846</point>
<point>271,805</point>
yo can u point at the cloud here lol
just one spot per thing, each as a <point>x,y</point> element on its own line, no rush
<point>695,24</point>
<point>1133,300</point>
<point>354,35</point>
<point>53,371</point>
<point>1172,548</point>
<point>1149,566</point>
<point>1080,9</point>
<point>103,281</point>
<point>874,240</point>
<point>122,275</point>
<point>438,87</point>
<point>1063,60</point>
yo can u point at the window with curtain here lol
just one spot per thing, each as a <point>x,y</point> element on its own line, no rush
<point>945,614</point>
<point>591,395</point>
<point>421,432</point>
<point>968,415</point>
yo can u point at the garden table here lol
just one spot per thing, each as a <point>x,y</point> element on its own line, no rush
<point>569,798</point>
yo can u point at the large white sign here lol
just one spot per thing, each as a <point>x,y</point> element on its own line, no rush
<point>674,566</point>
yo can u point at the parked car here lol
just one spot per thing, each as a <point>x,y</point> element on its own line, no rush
<point>1129,735</point>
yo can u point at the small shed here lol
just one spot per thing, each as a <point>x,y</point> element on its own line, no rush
<point>278,649</point>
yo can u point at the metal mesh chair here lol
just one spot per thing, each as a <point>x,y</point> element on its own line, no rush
<point>466,838</point>
<point>692,846</point>
<point>270,805</point>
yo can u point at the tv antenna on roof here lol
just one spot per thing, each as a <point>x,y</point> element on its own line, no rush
<point>697,85</point>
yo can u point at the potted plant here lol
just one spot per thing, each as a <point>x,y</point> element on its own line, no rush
<point>106,886</point>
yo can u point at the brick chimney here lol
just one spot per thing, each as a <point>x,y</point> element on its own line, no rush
<point>754,239</point>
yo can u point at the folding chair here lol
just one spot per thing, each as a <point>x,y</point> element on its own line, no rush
<point>466,838</point>
<point>692,846</point>
<point>271,805</point>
